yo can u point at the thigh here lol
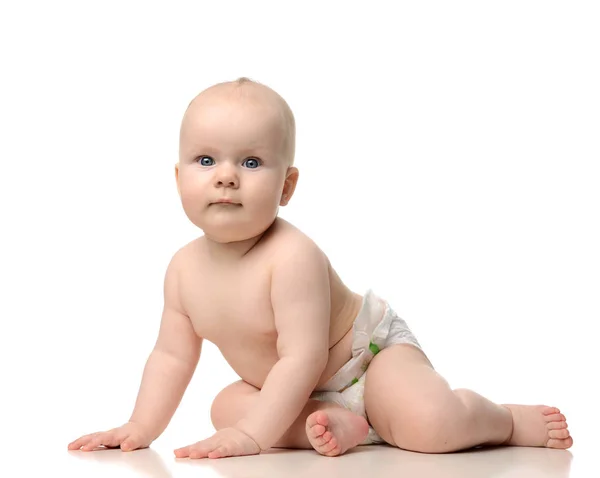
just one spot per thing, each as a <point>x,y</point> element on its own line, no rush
<point>405,398</point>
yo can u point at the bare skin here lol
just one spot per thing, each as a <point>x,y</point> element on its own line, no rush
<point>267,296</point>
<point>204,289</point>
<point>539,425</point>
<point>325,426</point>
<point>213,313</point>
<point>334,431</point>
<point>331,430</point>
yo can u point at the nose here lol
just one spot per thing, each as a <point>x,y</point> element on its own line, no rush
<point>226,177</point>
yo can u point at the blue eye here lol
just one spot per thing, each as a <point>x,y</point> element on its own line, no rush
<point>254,160</point>
<point>203,163</point>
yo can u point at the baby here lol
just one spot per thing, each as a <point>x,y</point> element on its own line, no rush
<point>322,367</point>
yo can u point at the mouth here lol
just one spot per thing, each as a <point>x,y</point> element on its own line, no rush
<point>225,203</point>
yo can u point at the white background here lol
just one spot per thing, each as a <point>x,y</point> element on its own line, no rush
<point>448,155</point>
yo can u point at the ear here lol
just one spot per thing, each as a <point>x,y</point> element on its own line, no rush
<point>289,186</point>
<point>177,178</point>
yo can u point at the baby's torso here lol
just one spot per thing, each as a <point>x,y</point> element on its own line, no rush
<point>231,307</point>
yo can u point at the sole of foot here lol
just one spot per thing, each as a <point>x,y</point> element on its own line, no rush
<point>334,431</point>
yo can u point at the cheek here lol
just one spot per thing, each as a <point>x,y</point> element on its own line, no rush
<point>193,182</point>
<point>192,192</point>
<point>266,189</point>
<point>264,196</point>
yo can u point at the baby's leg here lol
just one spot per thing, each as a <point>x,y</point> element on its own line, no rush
<point>325,426</point>
<point>412,407</point>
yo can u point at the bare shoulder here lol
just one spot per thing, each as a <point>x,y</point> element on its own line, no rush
<point>297,264</point>
<point>289,242</point>
<point>178,273</point>
<point>185,255</point>
<point>188,251</point>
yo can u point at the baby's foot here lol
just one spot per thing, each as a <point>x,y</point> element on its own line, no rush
<point>539,425</point>
<point>334,431</point>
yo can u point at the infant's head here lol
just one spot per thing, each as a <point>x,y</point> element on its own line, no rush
<point>237,143</point>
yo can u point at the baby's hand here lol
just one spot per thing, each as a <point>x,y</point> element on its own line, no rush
<point>129,437</point>
<point>226,442</point>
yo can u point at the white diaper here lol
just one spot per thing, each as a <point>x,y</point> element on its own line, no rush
<point>376,327</point>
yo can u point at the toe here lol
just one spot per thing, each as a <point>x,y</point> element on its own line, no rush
<point>550,410</point>
<point>335,451</point>
<point>562,444</point>
<point>311,420</point>
<point>556,417</point>
<point>322,418</point>
<point>556,425</point>
<point>559,434</point>
<point>317,418</point>
<point>568,442</point>
<point>328,447</point>
<point>321,440</point>
<point>317,430</point>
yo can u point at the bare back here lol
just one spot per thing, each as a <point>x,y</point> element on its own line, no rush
<point>230,306</point>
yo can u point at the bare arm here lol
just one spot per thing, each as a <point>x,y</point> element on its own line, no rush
<point>172,362</point>
<point>301,303</point>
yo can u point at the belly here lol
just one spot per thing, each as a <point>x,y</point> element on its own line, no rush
<point>252,370</point>
<point>263,349</point>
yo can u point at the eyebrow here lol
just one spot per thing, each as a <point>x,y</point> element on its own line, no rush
<point>209,150</point>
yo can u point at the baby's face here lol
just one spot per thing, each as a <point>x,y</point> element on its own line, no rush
<point>231,148</point>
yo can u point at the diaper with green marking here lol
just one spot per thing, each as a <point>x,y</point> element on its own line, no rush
<point>376,327</point>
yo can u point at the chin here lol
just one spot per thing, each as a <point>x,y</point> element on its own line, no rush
<point>225,234</point>
<point>236,227</point>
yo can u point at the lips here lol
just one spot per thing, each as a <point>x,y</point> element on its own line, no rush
<point>226,201</point>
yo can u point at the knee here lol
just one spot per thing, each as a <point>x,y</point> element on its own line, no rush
<point>465,395</point>
<point>228,406</point>
<point>221,406</point>
<point>431,426</point>
<point>216,410</point>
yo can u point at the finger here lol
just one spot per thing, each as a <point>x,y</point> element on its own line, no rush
<point>134,443</point>
<point>96,441</point>
<point>130,442</point>
<point>114,439</point>
<point>77,444</point>
<point>108,438</point>
<point>220,452</point>
<point>202,449</point>
<point>199,452</point>
<point>182,452</point>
